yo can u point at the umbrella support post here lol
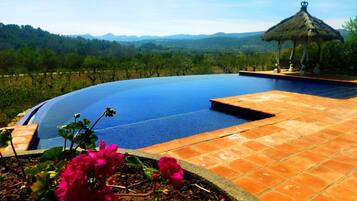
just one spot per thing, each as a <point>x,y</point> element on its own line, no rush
<point>277,69</point>
<point>292,55</point>
<point>304,59</point>
<point>317,67</point>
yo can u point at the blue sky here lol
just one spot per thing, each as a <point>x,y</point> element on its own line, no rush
<point>165,17</point>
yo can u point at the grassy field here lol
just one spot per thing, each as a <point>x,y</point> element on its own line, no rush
<point>20,92</point>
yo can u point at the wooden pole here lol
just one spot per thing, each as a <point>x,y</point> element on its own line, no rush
<point>304,59</point>
<point>292,56</point>
<point>278,58</point>
<point>317,67</point>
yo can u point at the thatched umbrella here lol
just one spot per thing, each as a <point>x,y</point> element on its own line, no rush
<point>301,28</point>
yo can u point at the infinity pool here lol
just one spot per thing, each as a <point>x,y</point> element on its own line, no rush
<point>155,110</point>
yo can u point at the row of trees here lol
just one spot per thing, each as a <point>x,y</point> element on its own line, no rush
<point>29,60</point>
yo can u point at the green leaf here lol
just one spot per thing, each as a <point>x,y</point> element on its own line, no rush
<point>60,164</point>
<point>148,172</point>
<point>5,138</point>
<point>67,134</point>
<point>41,185</point>
<point>32,171</point>
<point>53,154</point>
<point>135,162</point>
<point>40,167</point>
<point>86,122</point>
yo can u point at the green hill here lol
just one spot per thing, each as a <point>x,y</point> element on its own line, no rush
<point>214,44</point>
<point>15,37</point>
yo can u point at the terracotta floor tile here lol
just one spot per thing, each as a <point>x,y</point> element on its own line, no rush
<point>261,131</point>
<point>345,141</point>
<point>348,138</point>
<point>242,166</point>
<point>275,154</point>
<point>339,166</point>
<point>260,160</point>
<point>302,143</point>
<point>237,138</point>
<point>332,132</point>
<point>252,134</point>
<point>315,139</point>
<point>250,185</point>
<point>350,183</point>
<point>22,139</point>
<point>347,159</point>
<point>18,147</point>
<point>287,148</point>
<point>225,172</point>
<point>204,161</point>
<point>326,174</point>
<point>300,163</point>
<point>206,147</point>
<point>284,169</point>
<point>327,150</point>
<point>295,190</point>
<point>223,142</point>
<point>266,176</point>
<point>339,193</point>
<point>256,146</point>
<point>322,198</point>
<point>324,135</point>
<point>313,156</point>
<point>274,196</point>
<point>314,183</point>
<point>186,152</point>
<point>225,155</point>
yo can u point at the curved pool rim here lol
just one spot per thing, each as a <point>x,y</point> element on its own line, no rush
<point>27,117</point>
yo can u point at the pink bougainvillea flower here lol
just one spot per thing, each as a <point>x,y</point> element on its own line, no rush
<point>86,175</point>
<point>177,179</point>
<point>106,160</point>
<point>155,176</point>
<point>171,170</point>
<point>101,145</point>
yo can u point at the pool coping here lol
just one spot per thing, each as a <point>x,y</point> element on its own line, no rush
<point>269,74</point>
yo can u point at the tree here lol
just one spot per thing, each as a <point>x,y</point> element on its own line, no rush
<point>351,27</point>
<point>92,62</point>
<point>7,60</point>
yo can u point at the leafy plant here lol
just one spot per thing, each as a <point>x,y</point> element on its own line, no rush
<point>53,160</point>
<point>81,133</point>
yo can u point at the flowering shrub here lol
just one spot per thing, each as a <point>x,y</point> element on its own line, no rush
<point>67,173</point>
<point>86,176</point>
<point>171,170</point>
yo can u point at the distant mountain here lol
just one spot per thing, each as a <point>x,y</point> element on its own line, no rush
<point>14,37</point>
<point>212,44</point>
<point>25,36</point>
<point>228,42</point>
<point>124,38</point>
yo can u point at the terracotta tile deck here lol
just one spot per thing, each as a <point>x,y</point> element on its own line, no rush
<point>306,151</point>
<point>22,137</point>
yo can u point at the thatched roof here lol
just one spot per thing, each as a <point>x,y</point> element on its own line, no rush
<point>302,26</point>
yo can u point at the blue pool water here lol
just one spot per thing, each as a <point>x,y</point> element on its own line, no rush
<point>155,110</point>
